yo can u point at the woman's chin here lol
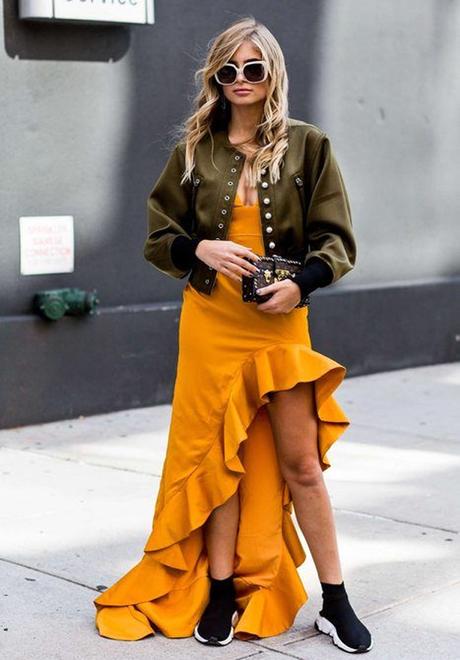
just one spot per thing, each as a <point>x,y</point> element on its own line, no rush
<point>249,99</point>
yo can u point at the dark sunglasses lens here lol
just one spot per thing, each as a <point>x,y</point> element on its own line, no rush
<point>226,74</point>
<point>254,72</point>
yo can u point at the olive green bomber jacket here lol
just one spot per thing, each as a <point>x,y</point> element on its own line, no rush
<point>305,214</point>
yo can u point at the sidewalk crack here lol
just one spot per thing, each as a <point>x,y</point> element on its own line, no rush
<point>396,520</point>
<point>54,575</point>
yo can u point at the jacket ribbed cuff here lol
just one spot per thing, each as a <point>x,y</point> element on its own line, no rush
<point>183,251</point>
<point>317,273</point>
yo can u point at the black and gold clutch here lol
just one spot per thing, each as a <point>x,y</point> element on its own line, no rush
<point>271,269</point>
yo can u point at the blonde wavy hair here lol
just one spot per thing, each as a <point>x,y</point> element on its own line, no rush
<point>208,114</point>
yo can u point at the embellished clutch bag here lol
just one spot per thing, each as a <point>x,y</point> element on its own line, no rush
<point>271,269</point>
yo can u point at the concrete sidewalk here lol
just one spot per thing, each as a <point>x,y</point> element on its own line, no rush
<point>77,503</point>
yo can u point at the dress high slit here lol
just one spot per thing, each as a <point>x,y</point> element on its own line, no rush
<point>231,355</point>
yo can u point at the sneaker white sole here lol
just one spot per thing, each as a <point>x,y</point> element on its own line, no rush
<point>325,626</point>
<point>218,642</point>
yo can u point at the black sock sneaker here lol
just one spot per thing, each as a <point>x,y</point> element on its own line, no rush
<point>220,615</point>
<point>338,619</point>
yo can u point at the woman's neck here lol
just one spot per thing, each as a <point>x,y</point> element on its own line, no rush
<point>243,123</point>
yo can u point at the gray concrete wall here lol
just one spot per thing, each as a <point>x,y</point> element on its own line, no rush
<point>87,111</point>
<point>388,93</point>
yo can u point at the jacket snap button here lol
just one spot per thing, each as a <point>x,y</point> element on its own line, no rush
<point>230,183</point>
<point>210,267</point>
<point>224,211</point>
<point>264,184</point>
<point>206,281</point>
<point>220,225</point>
<point>266,200</point>
<point>227,197</point>
<point>268,215</point>
<point>197,181</point>
<point>298,180</point>
<point>271,244</point>
<point>237,157</point>
<point>233,169</point>
<point>269,229</point>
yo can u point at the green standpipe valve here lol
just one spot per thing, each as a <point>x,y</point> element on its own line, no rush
<point>54,303</point>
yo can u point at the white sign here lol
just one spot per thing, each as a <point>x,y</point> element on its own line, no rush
<point>47,244</point>
<point>100,11</point>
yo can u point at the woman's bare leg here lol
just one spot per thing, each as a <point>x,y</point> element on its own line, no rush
<point>220,536</point>
<point>294,423</point>
<point>216,624</point>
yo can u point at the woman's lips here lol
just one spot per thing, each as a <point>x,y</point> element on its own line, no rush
<point>242,92</point>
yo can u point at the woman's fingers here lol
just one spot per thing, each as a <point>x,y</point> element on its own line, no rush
<point>236,260</point>
<point>230,273</point>
<point>244,260</point>
<point>243,266</point>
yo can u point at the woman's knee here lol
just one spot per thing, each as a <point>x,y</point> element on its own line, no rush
<point>304,471</point>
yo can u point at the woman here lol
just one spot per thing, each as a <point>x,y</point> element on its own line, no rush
<point>253,413</point>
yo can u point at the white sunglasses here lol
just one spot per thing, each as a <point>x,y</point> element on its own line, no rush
<point>253,72</point>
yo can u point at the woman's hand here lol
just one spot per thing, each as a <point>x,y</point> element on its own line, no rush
<point>286,295</point>
<point>227,257</point>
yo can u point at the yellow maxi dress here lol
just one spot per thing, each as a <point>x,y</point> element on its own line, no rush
<point>230,356</point>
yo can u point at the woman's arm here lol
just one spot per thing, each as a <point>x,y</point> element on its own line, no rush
<point>169,214</point>
<point>183,252</point>
<point>316,273</point>
<point>329,223</point>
